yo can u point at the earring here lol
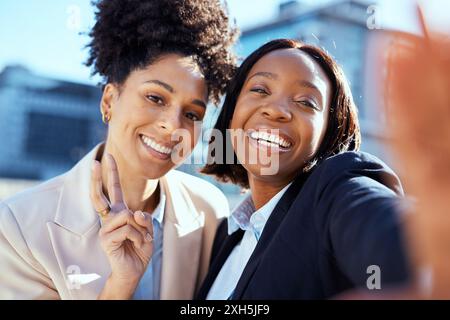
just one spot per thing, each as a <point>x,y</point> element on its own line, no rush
<point>105,118</point>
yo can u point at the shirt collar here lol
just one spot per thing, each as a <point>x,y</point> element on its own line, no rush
<point>158,213</point>
<point>246,217</point>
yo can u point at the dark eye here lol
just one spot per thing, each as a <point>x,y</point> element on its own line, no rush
<point>192,116</point>
<point>155,99</point>
<point>307,103</point>
<point>259,90</point>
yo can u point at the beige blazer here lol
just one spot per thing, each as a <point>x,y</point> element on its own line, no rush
<point>50,232</point>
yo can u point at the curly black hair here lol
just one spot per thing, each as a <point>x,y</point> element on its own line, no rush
<point>130,34</point>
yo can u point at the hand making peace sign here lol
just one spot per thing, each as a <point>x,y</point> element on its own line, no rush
<point>126,236</point>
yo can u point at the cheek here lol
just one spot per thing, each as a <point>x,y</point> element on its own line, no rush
<point>241,115</point>
<point>128,114</point>
<point>319,126</point>
<point>312,131</point>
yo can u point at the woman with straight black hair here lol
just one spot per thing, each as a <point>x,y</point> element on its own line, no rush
<point>326,221</point>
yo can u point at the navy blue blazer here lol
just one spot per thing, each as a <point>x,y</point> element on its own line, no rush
<point>324,233</point>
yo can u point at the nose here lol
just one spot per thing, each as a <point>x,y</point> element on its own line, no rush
<point>169,120</point>
<point>277,111</point>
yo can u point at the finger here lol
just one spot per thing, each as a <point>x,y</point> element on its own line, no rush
<point>114,187</point>
<point>116,221</point>
<point>126,232</point>
<point>144,220</point>
<point>98,198</point>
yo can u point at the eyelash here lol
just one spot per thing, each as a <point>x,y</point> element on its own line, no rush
<point>152,98</point>
<point>306,103</point>
<point>259,91</point>
<point>190,115</point>
<point>262,91</point>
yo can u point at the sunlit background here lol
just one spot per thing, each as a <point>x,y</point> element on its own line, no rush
<point>49,116</point>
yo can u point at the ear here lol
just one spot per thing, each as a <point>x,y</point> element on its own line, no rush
<point>110,94</point>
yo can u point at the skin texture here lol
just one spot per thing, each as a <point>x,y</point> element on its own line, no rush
<point>166,96</point>
<point>287,91</point>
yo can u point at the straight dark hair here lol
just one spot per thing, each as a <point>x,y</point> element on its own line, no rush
<point>342,133</point>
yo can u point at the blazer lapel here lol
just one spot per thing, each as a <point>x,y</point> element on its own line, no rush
<point>229,243</point>
<point>182,242</point>
<point>271,227</point>
<point>74,236</point>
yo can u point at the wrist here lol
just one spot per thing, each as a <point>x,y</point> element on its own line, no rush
<point>118,289</point>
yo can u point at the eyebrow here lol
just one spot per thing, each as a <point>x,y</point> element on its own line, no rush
<point>307,84</point>
<point>199,102</point>
<point>169,88</point>
<point>161,84</point>
<point>273,76</point>
<point>269,75</point>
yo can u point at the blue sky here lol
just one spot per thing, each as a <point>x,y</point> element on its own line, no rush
<point>44,34</point>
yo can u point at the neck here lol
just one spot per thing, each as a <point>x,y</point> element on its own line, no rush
<point>139,193</point>
<point>264,190</point>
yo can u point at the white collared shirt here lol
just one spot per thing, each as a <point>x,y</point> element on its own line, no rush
<point>252,222</point>
<point>149,286</point>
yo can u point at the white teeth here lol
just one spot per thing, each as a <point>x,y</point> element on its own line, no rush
<point>269,138</point>
<point>267,143</point>
<point>152,144</point>
<point>254,135</point>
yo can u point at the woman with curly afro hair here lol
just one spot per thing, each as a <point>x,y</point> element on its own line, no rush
<point>122,224</point>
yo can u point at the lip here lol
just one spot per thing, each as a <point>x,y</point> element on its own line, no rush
<point>153,152</point>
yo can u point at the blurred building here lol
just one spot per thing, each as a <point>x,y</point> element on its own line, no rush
<point>341,29</point>
<point>46,125</point>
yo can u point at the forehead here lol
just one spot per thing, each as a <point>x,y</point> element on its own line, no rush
<point>295,64</point>
<point>177,70</point>
<point>177,63</point>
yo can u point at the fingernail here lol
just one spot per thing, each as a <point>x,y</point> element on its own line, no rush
<point>148,237</point>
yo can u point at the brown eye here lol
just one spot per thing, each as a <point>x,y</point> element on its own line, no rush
<point>192,116</point>
<point>259,90</point>
<point>155,99</point>
<point>307,103</point>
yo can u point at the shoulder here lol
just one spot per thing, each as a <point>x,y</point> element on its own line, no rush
<point>353,160</point>
<point>203,193</point>
<point>360,167</point>
<point>32,208</point>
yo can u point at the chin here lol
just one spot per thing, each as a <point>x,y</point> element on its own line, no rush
<point>155,172</point>
<point>151,170</point>
<point>260,171</point>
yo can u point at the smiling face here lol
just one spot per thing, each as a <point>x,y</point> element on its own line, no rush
<point>286,93</point>
<point>168,95</point>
